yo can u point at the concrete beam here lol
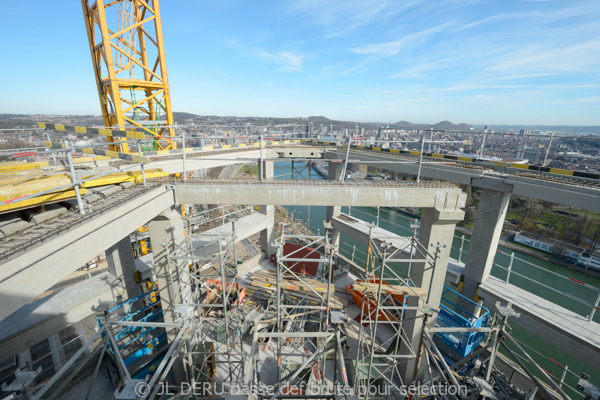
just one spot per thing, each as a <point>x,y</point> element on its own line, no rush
<point>315,193</point>
<point>24,277</point>
<point>47,316</point>
<point>299,151</point>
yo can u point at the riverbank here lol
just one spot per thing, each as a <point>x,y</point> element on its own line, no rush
<point>504,241</point>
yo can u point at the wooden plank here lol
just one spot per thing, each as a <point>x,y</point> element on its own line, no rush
<point>393,289</point>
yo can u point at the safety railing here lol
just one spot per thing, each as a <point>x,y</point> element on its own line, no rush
<point>566,378</point>
<point>561,285</point>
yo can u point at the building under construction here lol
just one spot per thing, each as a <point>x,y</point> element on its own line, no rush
<point>124,274</point>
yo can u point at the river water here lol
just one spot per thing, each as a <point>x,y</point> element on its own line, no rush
<point>542,278</point>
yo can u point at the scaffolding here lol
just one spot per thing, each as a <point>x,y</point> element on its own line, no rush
<point>214,292</point>
<point>383,346</point>
<point>300,342</point>
<point>303,353</point>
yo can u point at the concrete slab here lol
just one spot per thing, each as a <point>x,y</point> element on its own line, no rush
<point>108,190</point>
<point>207,243</point>
<point>51,211</point>
<point>13,227</point>
<point>47,316</point>
<point>556,325</point>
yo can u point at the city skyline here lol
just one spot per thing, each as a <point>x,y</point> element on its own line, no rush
<point>475,62</point>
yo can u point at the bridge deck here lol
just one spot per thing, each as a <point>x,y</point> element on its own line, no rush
<point>551,322</point>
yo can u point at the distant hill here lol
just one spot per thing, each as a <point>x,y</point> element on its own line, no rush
<point>318,118</point>
<point>446,125</point>
<point>183,115</point>
<point>443,125</point>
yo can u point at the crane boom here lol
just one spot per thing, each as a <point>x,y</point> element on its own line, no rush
<point>126,43</point>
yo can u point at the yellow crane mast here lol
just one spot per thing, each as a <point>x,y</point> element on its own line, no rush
<point>130,69</point>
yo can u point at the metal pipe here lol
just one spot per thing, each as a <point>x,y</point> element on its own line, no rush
<point>527,371</point>
<point>441,359</point>
<point>510,264</point>
<point>87,396</point>
<point>316,353</point>
<point>342,366</point>
<point>462,244</point>
<point>48,137</point>
<point>346,161</point>
<point>537,367</point>
<point>165,364</point>
<point>261,166</point>
<point>420,158</point>
<point>563,376</point>
<point>482,145</point>
<point>594,308</point>
<point>74,358</point>
<point>548,149</point>
<point>75,183</point>
<point>142,165</point>
<point>184,170</point>
<point>494,348</point>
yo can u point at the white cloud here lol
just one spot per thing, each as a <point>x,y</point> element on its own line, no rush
<point>578,101</point>
<point>288,60</point>
<point>342,17</point>
<point>389,49</point>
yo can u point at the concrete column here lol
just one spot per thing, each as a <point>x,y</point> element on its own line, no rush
<point>268,168</point>
<point>436,231</point>
<point>121,265</point>
<point>267,235</point>
<point>334,173</point>
<point>167,234</point>
<point>491,213</point>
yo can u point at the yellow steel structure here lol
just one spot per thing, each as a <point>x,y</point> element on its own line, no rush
<point>130,68</point>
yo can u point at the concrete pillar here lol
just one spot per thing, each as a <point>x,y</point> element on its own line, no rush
<point>167,234</point>
<point>334,173</point>
<point>121,265</point>
<point>267,236</point>
<point>491,213</point>
<point>268,167</point>
<point>436,231</point>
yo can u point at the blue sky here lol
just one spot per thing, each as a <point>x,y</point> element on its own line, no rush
<point>479,62</point>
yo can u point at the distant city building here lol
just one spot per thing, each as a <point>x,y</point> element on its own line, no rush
<point>525,132</point>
